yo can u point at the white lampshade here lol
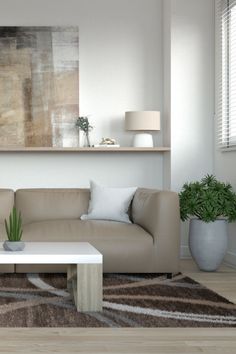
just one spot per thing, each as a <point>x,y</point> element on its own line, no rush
<point>142,121</point>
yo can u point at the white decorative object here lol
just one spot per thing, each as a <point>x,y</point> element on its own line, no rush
<point>109,203</point>
<point>142,121</point>
<point>208,243</point>
<point>107,142</point>
<point>81,138</point>
<point>143,140</point>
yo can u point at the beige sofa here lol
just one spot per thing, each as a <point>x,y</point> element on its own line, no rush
<point>149,245</point>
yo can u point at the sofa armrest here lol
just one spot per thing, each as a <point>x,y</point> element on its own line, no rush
<point>158,213</point>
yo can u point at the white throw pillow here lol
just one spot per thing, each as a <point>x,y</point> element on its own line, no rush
<point>109,203</point>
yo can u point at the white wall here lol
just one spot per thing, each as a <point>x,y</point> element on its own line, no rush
<point>127,62</point>
<point>120,69</point>
<point>225,170</point>
<point>167,28</point>
<point>192,93</point>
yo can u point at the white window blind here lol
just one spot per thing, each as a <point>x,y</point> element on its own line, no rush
<point>226,15</point>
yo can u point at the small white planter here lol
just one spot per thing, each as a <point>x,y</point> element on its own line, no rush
<point>208,243</point>
<point>13,246</point>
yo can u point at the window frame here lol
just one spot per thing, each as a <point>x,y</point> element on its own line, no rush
<point>226,142</point>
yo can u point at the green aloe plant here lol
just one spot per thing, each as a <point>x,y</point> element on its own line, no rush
<point>208,200</point>
<point>14,226</point>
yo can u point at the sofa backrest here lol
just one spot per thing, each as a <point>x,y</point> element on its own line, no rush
<point>51,204</point>
<point>6,203</point>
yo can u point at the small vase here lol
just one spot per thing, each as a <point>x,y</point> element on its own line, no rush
<point>84,139</point>
<point>13,246</point>
<point>87,140</point>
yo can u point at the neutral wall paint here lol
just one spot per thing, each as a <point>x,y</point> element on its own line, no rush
<point>124,59</point>
<point>120,69</point>
<point>225,170</point>
<point>167,18</point>
<point>192,93</point>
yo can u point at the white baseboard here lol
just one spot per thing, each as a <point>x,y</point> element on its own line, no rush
<point>230,259</point>
<point>184,252</point>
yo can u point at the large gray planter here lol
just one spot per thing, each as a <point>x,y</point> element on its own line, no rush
<point>208,243</point>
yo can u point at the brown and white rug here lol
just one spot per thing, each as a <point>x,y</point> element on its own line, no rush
<point>33,300</point>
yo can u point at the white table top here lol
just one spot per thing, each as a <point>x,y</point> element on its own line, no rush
<point>52,253</point>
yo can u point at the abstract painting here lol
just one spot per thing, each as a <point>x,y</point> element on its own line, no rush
<point>39,87</point>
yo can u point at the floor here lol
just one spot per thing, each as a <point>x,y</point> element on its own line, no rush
<point>133,341</point>
<point>223,281</point>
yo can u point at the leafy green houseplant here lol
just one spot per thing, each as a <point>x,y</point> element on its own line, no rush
<point>14,231</point>
<point>208,200</point>
<point>210,205</point>
<point>83,124</point>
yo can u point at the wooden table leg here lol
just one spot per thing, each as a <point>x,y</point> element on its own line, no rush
<point>71,272</point>
<point>87,287</point>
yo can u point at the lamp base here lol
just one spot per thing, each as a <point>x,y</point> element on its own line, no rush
<point>143,140</point>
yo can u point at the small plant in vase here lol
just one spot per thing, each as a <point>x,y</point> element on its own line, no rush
<point>83,124</point>
<point>14,232</point>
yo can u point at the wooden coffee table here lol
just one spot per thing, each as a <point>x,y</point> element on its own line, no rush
<point>84,271</point>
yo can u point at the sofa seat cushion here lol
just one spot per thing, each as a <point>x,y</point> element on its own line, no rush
<point>85,230</point>
<point>125,247</point>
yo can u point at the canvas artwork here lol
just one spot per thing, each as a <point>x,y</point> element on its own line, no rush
<point>39,87</point>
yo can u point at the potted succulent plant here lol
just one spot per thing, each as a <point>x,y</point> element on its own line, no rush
<point>14,232</point>
<point>210,205</point>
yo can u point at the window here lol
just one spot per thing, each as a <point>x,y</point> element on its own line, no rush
<point>227,69</point>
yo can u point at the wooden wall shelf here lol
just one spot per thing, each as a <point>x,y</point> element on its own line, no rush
<point>86,150</point>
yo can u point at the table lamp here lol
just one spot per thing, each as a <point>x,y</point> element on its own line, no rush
<point>142,121</point>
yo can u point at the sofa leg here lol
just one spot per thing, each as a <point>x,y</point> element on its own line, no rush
<point>169,275</point>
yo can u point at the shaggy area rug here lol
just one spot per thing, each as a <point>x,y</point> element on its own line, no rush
<point>42,300</point>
